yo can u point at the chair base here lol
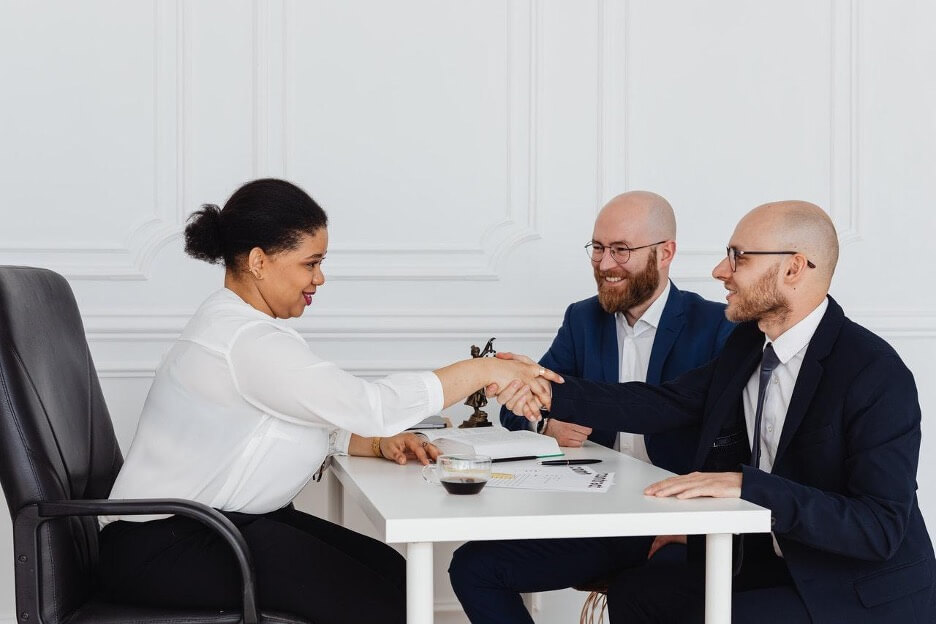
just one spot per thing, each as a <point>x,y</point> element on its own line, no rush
<point>595,602</point>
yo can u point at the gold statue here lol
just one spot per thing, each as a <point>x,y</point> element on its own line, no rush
<point>477,400</point>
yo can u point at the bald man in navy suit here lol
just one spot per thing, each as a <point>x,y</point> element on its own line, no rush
<point>805,413</point>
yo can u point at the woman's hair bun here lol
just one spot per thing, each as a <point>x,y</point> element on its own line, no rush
<point>270,214</point>
<point>204,236</point>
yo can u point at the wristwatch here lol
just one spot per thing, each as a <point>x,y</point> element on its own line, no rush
<point>541,425</point>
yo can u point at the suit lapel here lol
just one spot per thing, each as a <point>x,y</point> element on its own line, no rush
<point>806,383</point>
<point>726,405</point>
<point>672,321</point>
<point>810,373</point>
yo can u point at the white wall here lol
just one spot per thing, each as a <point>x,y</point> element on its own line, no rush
<point>461,150</point>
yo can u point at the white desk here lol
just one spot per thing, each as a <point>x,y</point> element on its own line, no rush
<point>407,510</point>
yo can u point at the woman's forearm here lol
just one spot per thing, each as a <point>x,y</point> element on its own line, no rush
<point>361,446</point>
<point>462,378</point>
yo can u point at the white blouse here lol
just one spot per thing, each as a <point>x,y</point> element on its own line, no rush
<point>241,413</point>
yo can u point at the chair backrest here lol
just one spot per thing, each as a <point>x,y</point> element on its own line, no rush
<point>57,441</point>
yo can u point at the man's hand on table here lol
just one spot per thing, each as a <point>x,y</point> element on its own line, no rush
<point>698,484</point>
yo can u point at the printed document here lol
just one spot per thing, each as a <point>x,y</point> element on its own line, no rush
<point>555,478</point>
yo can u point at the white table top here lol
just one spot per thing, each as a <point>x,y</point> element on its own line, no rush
<point>405,508</point>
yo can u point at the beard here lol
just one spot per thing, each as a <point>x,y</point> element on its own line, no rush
<point>635,289</point>
<point>762,300</point>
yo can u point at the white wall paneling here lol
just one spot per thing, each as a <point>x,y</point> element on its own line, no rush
<point>828,75</point>
<point>287,108</point>
<point>461,150</point>
<point>85,134</point>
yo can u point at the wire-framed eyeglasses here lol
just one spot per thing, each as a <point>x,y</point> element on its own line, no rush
<point>620,253</point>
<point>734,253</point>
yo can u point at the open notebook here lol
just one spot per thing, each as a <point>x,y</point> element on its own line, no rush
<point>496,442</point>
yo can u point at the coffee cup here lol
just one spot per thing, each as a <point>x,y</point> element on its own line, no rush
<point>459,474</point>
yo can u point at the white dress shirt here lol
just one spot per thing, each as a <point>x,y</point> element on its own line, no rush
<point>635,345</point>
<point>790,347</point>
<point>242,413</point>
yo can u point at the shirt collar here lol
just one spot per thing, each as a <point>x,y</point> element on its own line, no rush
<point>795,339</point>
<point>650,318</point>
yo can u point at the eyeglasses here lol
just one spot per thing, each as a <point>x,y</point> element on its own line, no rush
<point>734,253</point>
<point>619,253</point>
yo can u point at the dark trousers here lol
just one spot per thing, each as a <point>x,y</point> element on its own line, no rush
<point>762,592</point>
<point>488,577</point>
<point>304,566</point>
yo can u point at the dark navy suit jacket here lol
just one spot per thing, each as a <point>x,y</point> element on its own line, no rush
<point>692,331</point>
<point>842,493</point>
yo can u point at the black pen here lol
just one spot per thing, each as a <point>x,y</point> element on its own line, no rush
<point>498,460</point>
<point>569,462</point>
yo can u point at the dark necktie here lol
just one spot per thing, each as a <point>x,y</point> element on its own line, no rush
<point>769,362</point>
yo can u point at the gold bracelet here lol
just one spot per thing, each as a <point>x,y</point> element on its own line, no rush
<point>375,446</point>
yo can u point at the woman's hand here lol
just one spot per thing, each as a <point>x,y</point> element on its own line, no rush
<point>528,390</point>
<point>407,445</point>
<point>494,375</point>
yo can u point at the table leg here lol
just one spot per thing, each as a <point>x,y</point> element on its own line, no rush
<point>419,601</point>
<point>335,498</point>
<point>718,578</point>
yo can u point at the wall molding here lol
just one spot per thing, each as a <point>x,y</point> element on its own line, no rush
<point>613,170</point>
<point>275,112</point>
<point>416,326</point>
<point>429,323</point>
<point>344,324</point>
<point>132,259</point>
<point>844,143</point>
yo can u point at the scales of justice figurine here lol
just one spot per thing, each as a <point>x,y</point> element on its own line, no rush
<point>477,400</point>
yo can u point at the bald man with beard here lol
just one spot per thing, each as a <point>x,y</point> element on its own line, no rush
<point>805,413</point>
<point>640,326</point>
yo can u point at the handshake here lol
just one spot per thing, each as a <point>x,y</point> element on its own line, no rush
<point>520,384</point>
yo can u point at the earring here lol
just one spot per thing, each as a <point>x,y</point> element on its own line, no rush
<point>257,275</point>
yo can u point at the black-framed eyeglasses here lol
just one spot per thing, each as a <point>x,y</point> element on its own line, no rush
<point>734,253</point>
<point>620,253</point>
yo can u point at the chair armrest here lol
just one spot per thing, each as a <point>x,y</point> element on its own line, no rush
<point>208,516</point>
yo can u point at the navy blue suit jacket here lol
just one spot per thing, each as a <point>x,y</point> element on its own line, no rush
<point>692,331</point>
<point>842,493</point>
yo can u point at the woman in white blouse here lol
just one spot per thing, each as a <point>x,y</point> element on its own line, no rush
<point>242,413</point>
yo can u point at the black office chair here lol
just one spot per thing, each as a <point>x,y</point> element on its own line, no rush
<point>58,460</point>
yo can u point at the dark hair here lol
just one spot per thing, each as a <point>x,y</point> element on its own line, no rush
<point>270,214</point>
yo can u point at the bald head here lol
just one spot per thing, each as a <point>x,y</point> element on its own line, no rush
<point>798,226</point>
<point>646,215</point>
<point>639,230</point>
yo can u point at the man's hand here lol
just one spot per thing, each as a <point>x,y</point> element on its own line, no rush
<point>698,484</point>
<point>567,434</point>
<point>524,399</point>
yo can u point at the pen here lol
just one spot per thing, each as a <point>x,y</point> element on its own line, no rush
<point>569,462</point>
<point>507,459</point>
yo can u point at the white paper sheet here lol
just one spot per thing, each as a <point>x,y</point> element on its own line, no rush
<point>555,478</point>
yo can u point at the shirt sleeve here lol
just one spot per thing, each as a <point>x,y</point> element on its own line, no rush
<point>275,371</point>
<point>338,442</point>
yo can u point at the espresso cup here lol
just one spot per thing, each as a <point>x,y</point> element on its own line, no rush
<point>460,474</point>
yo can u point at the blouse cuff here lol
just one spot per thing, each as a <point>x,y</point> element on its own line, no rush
<point>338,441</point>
